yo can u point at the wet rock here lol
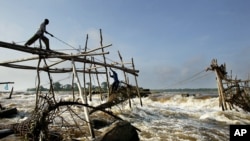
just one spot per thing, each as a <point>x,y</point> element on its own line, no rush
<point>5,133</point>
<point>8,112</point>
<point>185,95</point>
<point>98,123</point>
<point>119,131</point>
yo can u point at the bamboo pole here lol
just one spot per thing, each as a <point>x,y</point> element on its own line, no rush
<point>84,66</point>
<point>96,67</point>
<point>85,52</point>
<point>11,92</point>
<point>56,63</point>
<point>20,60</point>
<point>38,77</point>
<point>105,64</point>
<point>75,55</point>
<point>24,49</point>
<point>137,88</point>
<point>6,82</point>
<point>115,63</point>
<point>84,100</point>
<point>90,83</point>
<point>51,70</point>
<point>119,63</point>
<point>38,84</point>
<point>97,78</point>
<point>126,80</point>
<point>51,81</point>
<point>73,89</point>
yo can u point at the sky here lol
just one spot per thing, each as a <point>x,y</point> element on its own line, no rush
<point>172,42</point>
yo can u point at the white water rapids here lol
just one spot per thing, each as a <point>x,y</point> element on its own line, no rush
<point>163,116</point>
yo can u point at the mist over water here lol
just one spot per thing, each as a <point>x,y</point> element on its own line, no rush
<point>164,116</point>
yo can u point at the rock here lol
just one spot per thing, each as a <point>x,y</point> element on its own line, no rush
<point>8,112</point>
<point>119,131</point>
<point>185,95</point>
<point>5,133</point>
<point>98,123</point>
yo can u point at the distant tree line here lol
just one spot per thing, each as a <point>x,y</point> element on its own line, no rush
<point>188,90</point>
<point>193,89</point>
<point>57,86</point>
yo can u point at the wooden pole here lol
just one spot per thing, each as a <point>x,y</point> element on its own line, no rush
<point>84,66</point>
<point>11,92</point>
<point>97,78</point>
<point>126,80</point>
<point>84,101</point>
<point>73,88</point>
<point>86,52</point>
<point>6,82</point>
<point>38,76</point>
<point>38,79</point>
<point>51,81</point>
<point>137,88</point>
<point>104,59</point>
<point>56,63</point>
<point>20,60</point>
<point>75,55</point>
<point>222,101</point>
<point>90,83</point>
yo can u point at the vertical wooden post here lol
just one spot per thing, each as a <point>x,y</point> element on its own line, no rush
<point>90,82</point>
<point>104,59</point>
<point>84,66</point>
<point>126,80</point>
<point>222,101</point>
<point>84,100</point>
<point>97,78</point>
<point>137,88</point>
<point>38,75</point>
<point>38,79</point>
<point>51,81</point>
<point>73,89</point>
<point>11,92</point>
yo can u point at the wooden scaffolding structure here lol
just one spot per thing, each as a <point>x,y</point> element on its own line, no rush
<point>89,63</point>
<point>233,93</point>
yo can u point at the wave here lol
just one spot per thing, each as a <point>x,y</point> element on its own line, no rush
<point>175,117</point>
<point>164,116</point>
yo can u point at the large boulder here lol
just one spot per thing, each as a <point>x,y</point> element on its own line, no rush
<point>119,131</point>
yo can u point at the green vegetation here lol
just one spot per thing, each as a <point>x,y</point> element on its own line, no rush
<point>57,86</point>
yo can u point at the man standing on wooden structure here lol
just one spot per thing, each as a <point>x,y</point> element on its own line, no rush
<point>116,80</point>
<point>40,35</point>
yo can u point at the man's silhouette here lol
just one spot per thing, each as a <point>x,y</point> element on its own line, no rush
<point>40,35</point>
<point>116,80</point>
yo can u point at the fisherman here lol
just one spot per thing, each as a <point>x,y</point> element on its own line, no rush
<point>40,35</point>
<point>116,80</point>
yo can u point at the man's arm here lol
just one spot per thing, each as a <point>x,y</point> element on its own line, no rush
<point>49,33</point>
<point>110,74</point>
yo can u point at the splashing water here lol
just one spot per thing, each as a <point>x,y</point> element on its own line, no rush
<point>163,117</point>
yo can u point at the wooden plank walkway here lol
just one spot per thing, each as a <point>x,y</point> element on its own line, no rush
<point>54,54</point>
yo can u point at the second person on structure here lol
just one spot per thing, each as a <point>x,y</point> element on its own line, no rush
<point>116,80</point>
<point>40,35</point>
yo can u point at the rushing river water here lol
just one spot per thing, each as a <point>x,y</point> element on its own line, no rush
<point>163,116</point>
